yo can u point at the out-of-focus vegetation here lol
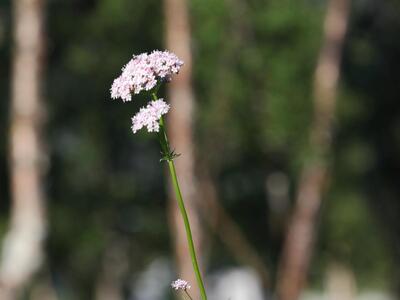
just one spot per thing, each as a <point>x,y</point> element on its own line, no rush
<point>253,69</point>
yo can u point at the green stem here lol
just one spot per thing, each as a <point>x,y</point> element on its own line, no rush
<point>187,228</point>
<point>169,156</point>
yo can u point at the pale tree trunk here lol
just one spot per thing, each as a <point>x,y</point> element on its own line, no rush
<point>180,131</point>
<point>340,282</point>
<point>300,238</point>
<point>22,247</point>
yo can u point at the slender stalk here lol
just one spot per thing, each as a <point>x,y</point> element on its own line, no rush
<point>187,228</point>
<point>169,157</point>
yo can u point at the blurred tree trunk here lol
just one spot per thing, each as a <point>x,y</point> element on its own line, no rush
<point>180,131</point>
<point>22,247</point>
<point>298,246</point>
<point>340,282</point>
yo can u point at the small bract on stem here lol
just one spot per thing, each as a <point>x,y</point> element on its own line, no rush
<point>146,72</point>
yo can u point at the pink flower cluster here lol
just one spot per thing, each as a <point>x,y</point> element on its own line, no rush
<point>143,72</point>
<point>180,284</point>
<point>149,116</point>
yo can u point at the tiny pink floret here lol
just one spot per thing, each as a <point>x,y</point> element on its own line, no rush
<point>180,284</point>
<point>143,72</point>
<point>149,116</point>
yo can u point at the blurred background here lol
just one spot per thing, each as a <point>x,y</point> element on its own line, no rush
<point>286,116</point>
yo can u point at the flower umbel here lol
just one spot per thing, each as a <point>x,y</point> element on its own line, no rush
<point>149,116</point>
<point>180,284</point>
<point>143,72</point>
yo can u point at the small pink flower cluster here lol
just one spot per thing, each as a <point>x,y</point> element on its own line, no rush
<point>180,284</point>
<point>143,72</point>
<point>148,116</point>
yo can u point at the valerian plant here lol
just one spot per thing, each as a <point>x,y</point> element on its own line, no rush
<point>147,72</point>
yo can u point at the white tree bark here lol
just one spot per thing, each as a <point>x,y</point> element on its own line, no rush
<point>22,246</point>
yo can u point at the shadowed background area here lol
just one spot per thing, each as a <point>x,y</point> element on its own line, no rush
<point>286,116</point>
